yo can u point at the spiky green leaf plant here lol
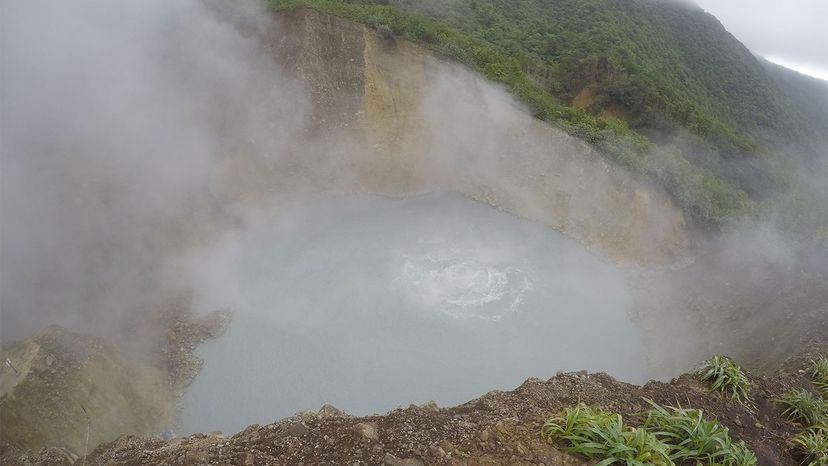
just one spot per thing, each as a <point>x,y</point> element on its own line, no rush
<point>822,386</point>
<point>741,455</point>
<point>804,407</point>
<point>692,438</point>
<point>601,435</point>
<point>813,444</point>
<point>819,375</point>
<point>727,377</point>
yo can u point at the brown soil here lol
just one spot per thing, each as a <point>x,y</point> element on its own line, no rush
<point>497,428</point>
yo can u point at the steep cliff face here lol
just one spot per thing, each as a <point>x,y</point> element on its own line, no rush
<point>415,123</point>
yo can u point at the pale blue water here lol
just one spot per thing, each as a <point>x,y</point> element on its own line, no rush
<point>368,303</point>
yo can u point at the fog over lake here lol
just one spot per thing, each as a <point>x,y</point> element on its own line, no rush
<point>368,303</point>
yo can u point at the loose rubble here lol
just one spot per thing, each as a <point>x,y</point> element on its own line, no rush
<point>497,428</point>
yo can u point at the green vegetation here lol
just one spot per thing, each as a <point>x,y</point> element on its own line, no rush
<point>810,95</point>
<point>822,386</point>
<point>541,53</point>
<point>813,443</point>
<point>819,375</point>
<point>599,434</point>
<point>669,435</point>
<point>812,412</point>
<point>740,455</point>
<point>659,87</point>
<point>692,438</point>
<point>804,407</point>
<point>727,377</point>
<point>819,369</point>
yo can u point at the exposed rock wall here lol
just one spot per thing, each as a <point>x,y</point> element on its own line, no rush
<point>416,123</point>
<point>498,428</point>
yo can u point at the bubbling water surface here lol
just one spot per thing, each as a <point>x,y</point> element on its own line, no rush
<point>368,303</point>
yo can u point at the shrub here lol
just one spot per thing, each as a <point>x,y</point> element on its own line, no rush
<point>727,377</point>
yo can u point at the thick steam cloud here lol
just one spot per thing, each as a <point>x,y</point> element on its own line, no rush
<point>115,119</point>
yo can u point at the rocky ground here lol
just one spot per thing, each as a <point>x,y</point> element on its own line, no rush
<point>176,348</point>
<point>57,380</point>
<point>72,391</point>
<point>497,428</point>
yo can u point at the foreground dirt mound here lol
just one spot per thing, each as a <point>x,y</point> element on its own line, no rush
<point>497,428</point>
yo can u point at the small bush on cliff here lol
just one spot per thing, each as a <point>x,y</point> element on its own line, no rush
<point>727,377</point>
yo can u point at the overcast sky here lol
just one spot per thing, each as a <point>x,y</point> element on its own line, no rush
<point>792,33</point>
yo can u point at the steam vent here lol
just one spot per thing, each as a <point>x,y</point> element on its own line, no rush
<point>413,232</point>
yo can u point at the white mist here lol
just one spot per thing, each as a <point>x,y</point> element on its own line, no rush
<point>368,303</point>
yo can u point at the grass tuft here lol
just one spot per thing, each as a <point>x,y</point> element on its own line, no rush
<point>819,368</point>
<point>669,435</point>
<point>599,434</point>
<point>741,455</point>
<point>804,407</point>
<point>693,439</point>
<point>727,377</point>
<point>819,375</point>
<point>813,444</point>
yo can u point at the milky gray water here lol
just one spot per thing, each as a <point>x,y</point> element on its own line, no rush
<point>368,303</point>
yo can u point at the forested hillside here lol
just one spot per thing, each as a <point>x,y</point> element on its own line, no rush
<point>810,95</point>
<point>659,86</point>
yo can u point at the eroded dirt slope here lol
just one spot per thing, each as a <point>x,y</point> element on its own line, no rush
<point>497,428</point>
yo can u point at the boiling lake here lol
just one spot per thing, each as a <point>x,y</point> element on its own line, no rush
<point>368,303</point>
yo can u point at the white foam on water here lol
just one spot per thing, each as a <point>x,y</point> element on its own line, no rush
<point>462,283</point>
